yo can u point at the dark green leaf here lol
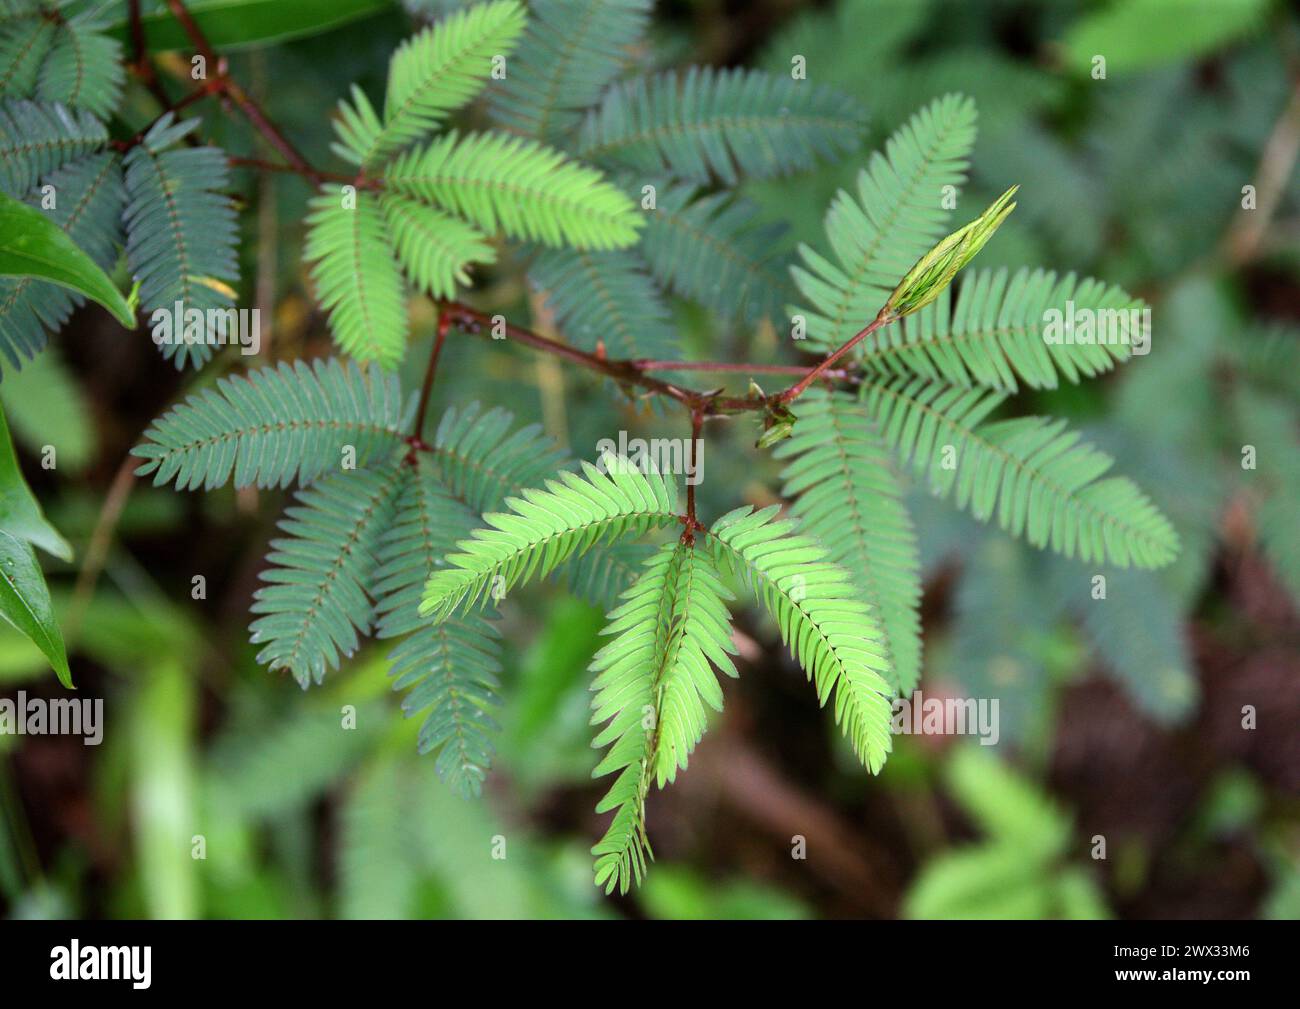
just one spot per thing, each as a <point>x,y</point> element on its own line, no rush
<point>25,602</point>
<point>234,24</point>
<point>32,245</point>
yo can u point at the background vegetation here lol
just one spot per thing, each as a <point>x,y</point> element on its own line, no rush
<point>1122,720</point>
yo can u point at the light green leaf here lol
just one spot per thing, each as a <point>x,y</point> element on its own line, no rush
<point>1139,34</point>
<point>32,245</point>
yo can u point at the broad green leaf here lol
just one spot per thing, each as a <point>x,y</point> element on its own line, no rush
<point>20,514</point>
<point>163,784</point>
<point>25,603</point>
<point>1140,34</point>
<point>236,24</point>
<point>32,245</point>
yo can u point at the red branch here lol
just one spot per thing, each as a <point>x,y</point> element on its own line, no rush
<point>247,104</point>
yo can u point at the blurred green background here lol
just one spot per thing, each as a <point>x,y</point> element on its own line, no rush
<point>1120,722</point>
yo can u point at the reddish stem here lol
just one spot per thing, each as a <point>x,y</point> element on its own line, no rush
<point>692,523</point>
<point>247,104</point>
<point>797,390</point>
<point>727,366</point>
<point>416,438</point>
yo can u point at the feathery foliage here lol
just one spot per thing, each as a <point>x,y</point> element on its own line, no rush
<point>829,631</point>
<point>720,123</point>
<point>713,250</point>
<point>545,528</point>
<point>371,529</point>
<point>418,539</point>
<point>996,334</point>
<point>356,275</point>
<point>481,461</point>
<point>1137,634</point>
<point>1044,483</point>
<point>435,249</point>
<point>25,42</point>
<point>570,52</point>
<point>653,683</point>
<point>897,215</point>
<point>38,137</point>
<point>275,426</point>
<point>441,69</point>
<point>317,601</point>
<point>450,669</point>
<point>438,204</point>
<point>602,577</point>
<point>846,495</point>
<point>606,297</point>
<point>524,189</point>
<point>180,237</point>
<point>83,69</point>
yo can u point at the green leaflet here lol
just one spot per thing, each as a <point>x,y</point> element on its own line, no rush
<point>24,44</point>
<point>441,69</point>
<point>654,682</point>
<point>995,336</point>
<point>317,601</point>
<point>274,427</point>
<point>609,298</point>
<point>1137,632</point>
<point>180,236</point>
<point>1042,481</point>
<point>721,123</point>
<point>829,631</point>
<point>545,528</point>
<point>450,669</point>
<point>847,496</point>
<point>519,187</point>
<point>435,249</point>
<point>714,250</point>
<point>481,460</point>
<point>602,576</point>
<point>877,234</point>
<point>83,70</point>
<point>357,277</point>
<point>38,137</point>
<point>1267,419</point>
<point>570,52</point>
